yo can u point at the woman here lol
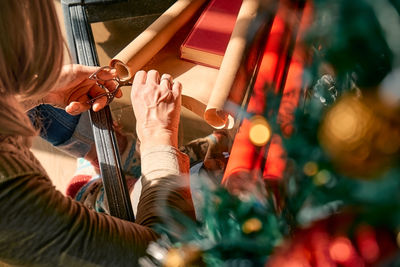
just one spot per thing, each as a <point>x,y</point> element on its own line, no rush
<point>38,225</point>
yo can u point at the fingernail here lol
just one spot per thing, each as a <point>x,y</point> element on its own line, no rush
<point>96,107</point>
<point>73,108</point>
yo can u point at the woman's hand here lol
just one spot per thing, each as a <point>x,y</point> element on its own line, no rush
<point>156,102</point>
<point>74,89</point>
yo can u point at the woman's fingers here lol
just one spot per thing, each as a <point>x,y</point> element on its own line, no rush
<point>166,81</point>
<point>77,107</point>
<point>176,89</point>
<point>96,91</point>
<point>140,78</point>
<point>100,103</point>
<point>105,73</point>
<point>152,77</point>
<point>111,86</point>
<point>156,108</point>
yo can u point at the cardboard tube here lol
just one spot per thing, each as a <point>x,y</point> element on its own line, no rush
<point>135,55</point>
<point>231,63</point>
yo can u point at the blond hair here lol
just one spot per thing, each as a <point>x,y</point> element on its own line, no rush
<point>31,57</point>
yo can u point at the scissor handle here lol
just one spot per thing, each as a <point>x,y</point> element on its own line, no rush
<point>108,93</point>
<point>110,97</point>
<point>124,83</point>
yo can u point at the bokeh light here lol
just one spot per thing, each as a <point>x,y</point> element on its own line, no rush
<point>260,132</point>
<point>310,168</point>
<point>251,225</point>
<point>347,124</point>
<point>341,250</point>
<point>367,243</point>
<point>360,138</point>
<point>398,239</point>
<point>322,177</point>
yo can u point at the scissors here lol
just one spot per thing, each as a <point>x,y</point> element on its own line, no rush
<point>101,82</point>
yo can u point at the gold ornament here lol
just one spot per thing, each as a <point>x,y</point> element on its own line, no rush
<point>187,255</point>
<point>174,258</point>
<point>361,139</point>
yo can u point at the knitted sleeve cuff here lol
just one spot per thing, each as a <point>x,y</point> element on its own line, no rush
<point>162,161</point>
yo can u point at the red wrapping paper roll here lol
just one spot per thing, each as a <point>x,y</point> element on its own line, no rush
<point>245,156</point>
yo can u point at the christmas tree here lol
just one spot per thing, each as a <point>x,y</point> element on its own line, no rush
<point>331,196</point>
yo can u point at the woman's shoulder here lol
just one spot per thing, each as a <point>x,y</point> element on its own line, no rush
<point>16,159</point>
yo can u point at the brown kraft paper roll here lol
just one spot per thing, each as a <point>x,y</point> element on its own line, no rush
<point>135,55</point>
<point>221,92</point>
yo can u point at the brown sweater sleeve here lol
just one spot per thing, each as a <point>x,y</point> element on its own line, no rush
<point>41,227</point>
<point>165,186</point>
